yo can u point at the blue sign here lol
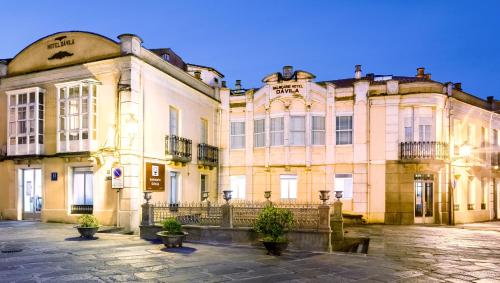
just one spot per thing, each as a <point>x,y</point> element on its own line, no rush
<point>53,176</point>
<point>117,172</point>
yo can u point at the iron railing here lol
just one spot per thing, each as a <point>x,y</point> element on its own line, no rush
<point>423,150</point>
<point>208,155</point>
<point>178,149</point>
<point>82,209</point>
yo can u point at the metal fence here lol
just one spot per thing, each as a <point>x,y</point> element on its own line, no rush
<point>195,213</point>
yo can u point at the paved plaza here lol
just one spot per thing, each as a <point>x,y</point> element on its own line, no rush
<point>49,252</point>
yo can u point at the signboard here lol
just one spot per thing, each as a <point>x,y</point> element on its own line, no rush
<point>155,176</point>
<point>287,89</point>
<point>117,177</point>
<point>53,176</point>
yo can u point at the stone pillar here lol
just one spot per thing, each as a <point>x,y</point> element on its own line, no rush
<point>147,214</point>
<point>324,218</point>
<point>337,222</point>
<point>227,215</point>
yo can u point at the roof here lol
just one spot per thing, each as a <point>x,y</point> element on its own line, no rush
<point>372,78</point>
<point>208,68</point>
<point>175,59</point>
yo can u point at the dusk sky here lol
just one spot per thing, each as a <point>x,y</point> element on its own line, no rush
<point>456,41</point>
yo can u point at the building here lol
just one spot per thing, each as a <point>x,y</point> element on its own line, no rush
<point>90,123</point>
<point>77,105</point>
<point>402,149</point>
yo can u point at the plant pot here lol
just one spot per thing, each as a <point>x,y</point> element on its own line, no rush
<point>275,248</point>
<point>87,232</point>
<point>172,240</point>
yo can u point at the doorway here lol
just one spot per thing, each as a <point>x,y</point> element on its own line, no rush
<point>30,181</point>
<point>424,198</point>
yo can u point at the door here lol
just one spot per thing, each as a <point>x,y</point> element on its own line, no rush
<point>174,187</point>
<point>31,188</point>
<point>424,201</point>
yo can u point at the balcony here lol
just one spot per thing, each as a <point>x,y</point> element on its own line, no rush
<point>178,149</point>
<point>208,155</point>
<point>417,151</point>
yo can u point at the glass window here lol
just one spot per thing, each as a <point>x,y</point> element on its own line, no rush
<point>344,130</point>
<point>203,185</point>
<point>204,131</point>
<point>174,187</point>
<point>237,135</point>
<point>259,133</point>
<point>424,132</point>
<point>82,186</point>
<point>297,130</point>
<point>318,130</point>
<point>238,184</point>
<point>288,184</point>
<point>276,131</point>
<point>174,121</point>
<point>343,182</point>
<point>408,129</point>
<point>495,137</point>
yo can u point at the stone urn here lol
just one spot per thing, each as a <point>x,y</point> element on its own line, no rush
<point>172,240</point>
<point>87,232</point>
<point>324,195</point>
<point>227,195</point>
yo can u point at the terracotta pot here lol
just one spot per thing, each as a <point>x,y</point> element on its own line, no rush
<point>275,248</point>
<point>172,240</point>
<point>87,232</point>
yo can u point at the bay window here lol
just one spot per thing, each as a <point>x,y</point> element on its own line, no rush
<point>237,135</point>
<point>259,133</point>
<point>77,110</point>
<point>318,130</point>
<point>297,130</point>
<point>276,131</point>
<point>25,120</point>
<point>344,130</point>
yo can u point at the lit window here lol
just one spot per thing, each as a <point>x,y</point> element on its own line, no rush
<point>238,184</point>
<point>259,133</point>
<point>174,121</point>
<point>343,182</point>
<point>25,121</point>
<point>77,121</point>
<point>204,131</point>
<point>276,131</point>
<point>408,129</point>
<point>166,57</point>
<point>318,130</point>
<point>297,130</point>
<point>203,184</point>
<point>82,186</point>
<point>237,135</point>
<point>288,184</point>
<point>344,130</point>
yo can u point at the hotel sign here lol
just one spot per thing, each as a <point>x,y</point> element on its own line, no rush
<point>59,42</point>
<point>287,89</point>
<point>155,177</point>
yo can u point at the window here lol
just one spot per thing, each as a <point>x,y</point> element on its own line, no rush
<point>25,121</point>
<point>495,137</point>
<point>77,110</point>
<point>276,131</point>
<point>83,186</point>
<point>174,121</point>
<point>204,131</point>
<point>288,185</point>
<point>238,184</point>
<point>166,57</point>
<point>344,130</point>
<point>318,130</point>
<point>203,185</point>
<point>484,193</point>
<point>297,130</point>
<point>174,187</point>
<point>343,182</point>
<point>259,133</point>
<point>408,129</point>
<point>424,132</point>
<point>237,135</point>
<point>471,194</point>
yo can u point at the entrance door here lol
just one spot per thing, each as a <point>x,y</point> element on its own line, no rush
<point>31,188</point>
<point>424,201</point>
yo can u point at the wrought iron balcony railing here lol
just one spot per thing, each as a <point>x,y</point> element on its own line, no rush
<point>423,150</point>
<point>178,149</point>
<point>82,209</point>
<point>208,155</point>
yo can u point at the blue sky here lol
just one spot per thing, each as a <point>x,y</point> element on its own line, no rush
<point>456,41</point>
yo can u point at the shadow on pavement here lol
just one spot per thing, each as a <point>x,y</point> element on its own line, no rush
<point>183,250</point>
<point>80,239</point>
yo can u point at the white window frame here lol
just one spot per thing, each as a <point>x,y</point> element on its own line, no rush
<point>204,131</point>
<point>259,137</point>
<point>348,131</point>
<point>288,186</point>
<point>237,183</point>
<point>318,136</point>
<point>234,136</point>
<point>344,183</point>
<point>173,123</point>
<point>34,119</point>
<point>79,144</point>
<point>85,171</point>
<point>277,135</point>
<point>296,132</point>
<point>408,129</point>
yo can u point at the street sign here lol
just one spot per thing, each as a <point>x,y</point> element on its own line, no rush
<point>155,176</point>
<point>117,178</point>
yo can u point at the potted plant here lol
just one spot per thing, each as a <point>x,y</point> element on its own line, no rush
<point>172,234</point>
<point>87,225</point>
<point>272,223</point>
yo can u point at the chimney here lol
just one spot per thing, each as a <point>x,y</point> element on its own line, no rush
<point>457,86</point>
<point>238,84</point>
<point>370,76</point>
<point>420,72</point>
<point>287,72</point>
<point>357,72</point>
<point>223,84</point>
<point>428,77</point>
<point>197,74</point>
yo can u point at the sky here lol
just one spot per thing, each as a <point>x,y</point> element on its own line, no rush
<point>457,41</point>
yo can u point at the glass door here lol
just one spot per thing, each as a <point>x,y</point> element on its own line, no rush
<point>424,201</point>
<point>31,187</point>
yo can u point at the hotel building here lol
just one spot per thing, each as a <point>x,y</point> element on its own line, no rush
<point>83,114</point>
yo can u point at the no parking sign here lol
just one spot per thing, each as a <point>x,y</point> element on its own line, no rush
<point>117,178</point>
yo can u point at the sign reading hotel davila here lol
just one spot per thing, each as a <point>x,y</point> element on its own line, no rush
<point>155,177</point>
<point>60,41</point>
<point>287,89</point>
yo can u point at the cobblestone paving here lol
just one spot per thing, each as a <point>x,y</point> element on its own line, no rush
<point>53,253</point>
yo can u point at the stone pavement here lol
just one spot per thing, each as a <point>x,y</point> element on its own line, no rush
<point>53,253</point>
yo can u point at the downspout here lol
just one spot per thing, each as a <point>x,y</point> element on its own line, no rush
<point>369,159</point>
<point>219,137</point>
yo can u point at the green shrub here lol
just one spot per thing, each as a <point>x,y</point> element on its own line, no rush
<point>273,222</point>
<point>172,226</point>
<point>87,220</point>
